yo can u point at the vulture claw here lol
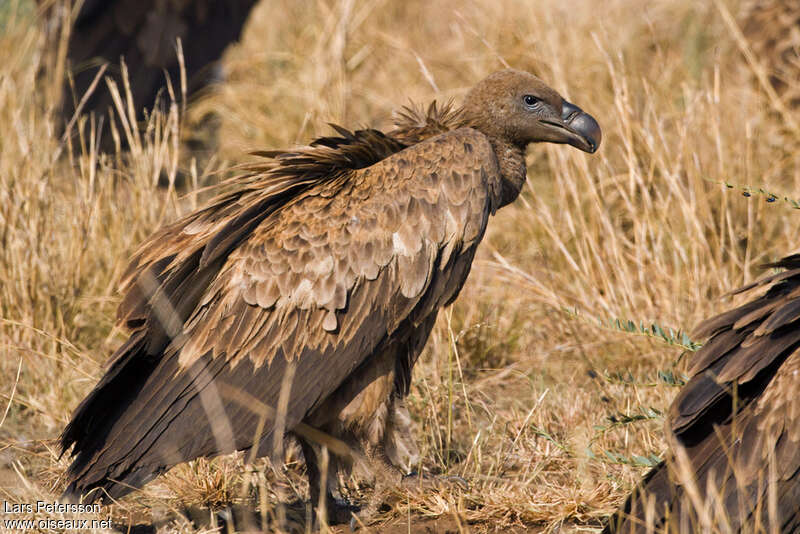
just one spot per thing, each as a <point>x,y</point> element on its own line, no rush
<point>427,482</point>
<point>461,482</point>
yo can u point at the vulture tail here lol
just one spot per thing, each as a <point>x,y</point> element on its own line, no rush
<point>93,419</point>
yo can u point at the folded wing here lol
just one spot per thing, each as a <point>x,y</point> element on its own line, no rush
<point>734,429</point>
<point>258,293</point>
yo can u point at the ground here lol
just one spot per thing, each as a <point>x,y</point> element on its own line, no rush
<point>545,385</point>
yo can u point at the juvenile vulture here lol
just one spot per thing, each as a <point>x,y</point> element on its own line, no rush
<point>734,428</point>
<point>299,302</point>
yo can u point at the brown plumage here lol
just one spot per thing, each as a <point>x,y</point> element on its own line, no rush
<point>734,428</point>
<point>322,272</point>
<point>145,33</point>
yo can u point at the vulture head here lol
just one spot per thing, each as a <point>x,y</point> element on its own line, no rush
<point>516,108</point>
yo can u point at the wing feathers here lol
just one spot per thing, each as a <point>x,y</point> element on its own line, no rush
<point>738,421</point>
<point>717,347</point>
<point>787,313</point>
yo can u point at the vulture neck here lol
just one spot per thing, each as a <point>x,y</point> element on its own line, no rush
<point>511,159</point>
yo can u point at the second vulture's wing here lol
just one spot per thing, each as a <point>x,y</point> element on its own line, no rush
<point>734,429</point>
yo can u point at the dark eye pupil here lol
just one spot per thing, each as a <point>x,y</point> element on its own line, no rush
<point>530,100</point>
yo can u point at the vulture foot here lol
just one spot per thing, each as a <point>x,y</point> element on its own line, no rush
<point>428,482</point>
<point>339,512</point>
<point>387,478</point>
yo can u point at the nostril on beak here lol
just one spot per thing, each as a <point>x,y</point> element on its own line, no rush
<point>569,110</point>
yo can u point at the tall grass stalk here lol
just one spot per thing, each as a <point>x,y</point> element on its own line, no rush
<point>642,230</point>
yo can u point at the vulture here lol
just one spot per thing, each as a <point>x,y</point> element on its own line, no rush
<point>297,302</point>
<point>734,428</point>
<point>144,34</point>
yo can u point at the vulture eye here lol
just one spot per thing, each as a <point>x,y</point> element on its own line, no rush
<point>530,100</point>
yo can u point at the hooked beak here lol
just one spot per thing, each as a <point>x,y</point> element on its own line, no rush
<point>578,128</point>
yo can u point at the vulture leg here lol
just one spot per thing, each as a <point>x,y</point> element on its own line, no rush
<point>364,413</point>
<point>385,462</point>
<point>337,511</point>
<point>387,477</point>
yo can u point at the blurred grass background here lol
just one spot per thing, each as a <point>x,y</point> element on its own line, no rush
<point>529,388</point>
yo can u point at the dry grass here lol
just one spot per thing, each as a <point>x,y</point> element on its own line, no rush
<point>550,417</point>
